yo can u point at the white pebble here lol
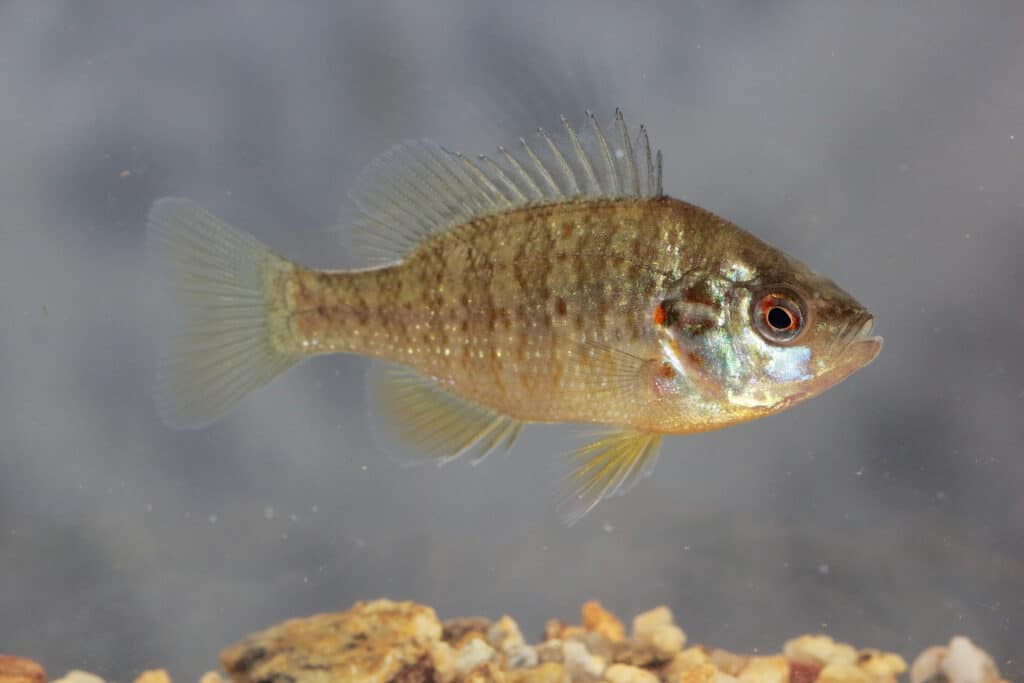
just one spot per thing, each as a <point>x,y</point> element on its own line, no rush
<point>578,660</point>
<point>471,655</point>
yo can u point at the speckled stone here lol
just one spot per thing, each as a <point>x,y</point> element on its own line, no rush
<point>374,642</point>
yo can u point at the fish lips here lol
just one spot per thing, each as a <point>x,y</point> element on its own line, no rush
<point>860,349</point>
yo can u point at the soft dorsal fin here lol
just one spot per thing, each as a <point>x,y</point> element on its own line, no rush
<point>418,189</point>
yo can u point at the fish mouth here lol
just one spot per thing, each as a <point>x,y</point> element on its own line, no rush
<point>858,347</point>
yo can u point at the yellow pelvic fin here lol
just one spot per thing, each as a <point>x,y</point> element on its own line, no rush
<point>420,420</point>
<point>606,467</point>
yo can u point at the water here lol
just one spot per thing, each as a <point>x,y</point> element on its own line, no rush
<point>885,147</point>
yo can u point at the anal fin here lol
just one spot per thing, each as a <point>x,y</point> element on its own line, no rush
<point>420,420</point>
<point>609,466</point>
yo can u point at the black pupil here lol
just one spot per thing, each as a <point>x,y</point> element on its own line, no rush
<point>779,318</point>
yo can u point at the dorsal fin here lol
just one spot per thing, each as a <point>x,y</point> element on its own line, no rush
<point>418,188</point>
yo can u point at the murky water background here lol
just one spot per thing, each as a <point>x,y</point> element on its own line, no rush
<point>883,146</point>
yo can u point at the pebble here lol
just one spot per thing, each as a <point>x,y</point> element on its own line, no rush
<point>624,673</point>
<point>20,670</point>
<point>599,620</point>
<point>704,673</point>
<point>548,672</point>
<point>471,655</point>
<point>656,630</point>
<point>819,649</point>
<point>153,676</point>
<point>579,661</point>
<point>765,670</point>
<point>76,676</point>
<point>373,641</point>
<point>959,662</point>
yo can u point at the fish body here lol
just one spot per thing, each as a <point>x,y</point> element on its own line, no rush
<point>563,288</point>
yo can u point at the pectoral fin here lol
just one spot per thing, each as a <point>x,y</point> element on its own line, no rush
<point>420,420</point>
<point>608,466</point>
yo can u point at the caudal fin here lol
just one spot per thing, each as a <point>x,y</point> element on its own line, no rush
<point>218,347</point>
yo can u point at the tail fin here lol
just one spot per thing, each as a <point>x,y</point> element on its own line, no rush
<point>219,345</point>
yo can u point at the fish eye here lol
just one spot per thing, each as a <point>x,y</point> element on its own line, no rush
<point>778,317</point>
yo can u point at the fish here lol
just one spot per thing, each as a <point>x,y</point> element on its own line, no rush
<point>555,282</point>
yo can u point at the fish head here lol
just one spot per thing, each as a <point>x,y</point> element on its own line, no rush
<point>761,334</point>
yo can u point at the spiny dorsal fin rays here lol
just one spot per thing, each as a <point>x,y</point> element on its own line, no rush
<point>612,176</point>
<point>418,189</point>
<point>627,146</point>
<point>607,466</point>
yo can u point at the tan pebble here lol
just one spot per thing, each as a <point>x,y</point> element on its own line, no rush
<point>688,659</point>
<point>20,670</point>
<point>485,673</point>
<point>578,660</point>
<point>820,649</point>
<point>596,618</point>
<point>645,622</point>
<point>728,662</point>
<point>443,657</point>
<point>843,672</point>
<point>624,673</point>
<point>667,640</point>
<point>548,672</point>
<point>211,677</point>
<point>373,641</point>
<point>704,673</point>
<point>883,667</point>
<point>765,670</point>
<point>76,676</point>
<point>471,655</point>
<point>153,676</point>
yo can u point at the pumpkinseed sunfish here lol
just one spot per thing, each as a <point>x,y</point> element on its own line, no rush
<point>554,284</point>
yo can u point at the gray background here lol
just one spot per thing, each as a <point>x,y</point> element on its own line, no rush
<point>882,145</point>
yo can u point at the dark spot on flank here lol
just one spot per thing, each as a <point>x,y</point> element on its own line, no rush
<point>465,326</point>
<point>561,256</point>
<point>566,230</point>
<point>666,371</point>
<point>618,261</point>
<point>560,307</point>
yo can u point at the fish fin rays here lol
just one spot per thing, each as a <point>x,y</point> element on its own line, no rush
<point>418,420</point>
<point>418,188</point>
<point>218,346</point>
<point>610,465</point>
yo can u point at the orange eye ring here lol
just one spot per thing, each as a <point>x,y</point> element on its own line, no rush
<point>778,317</point>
